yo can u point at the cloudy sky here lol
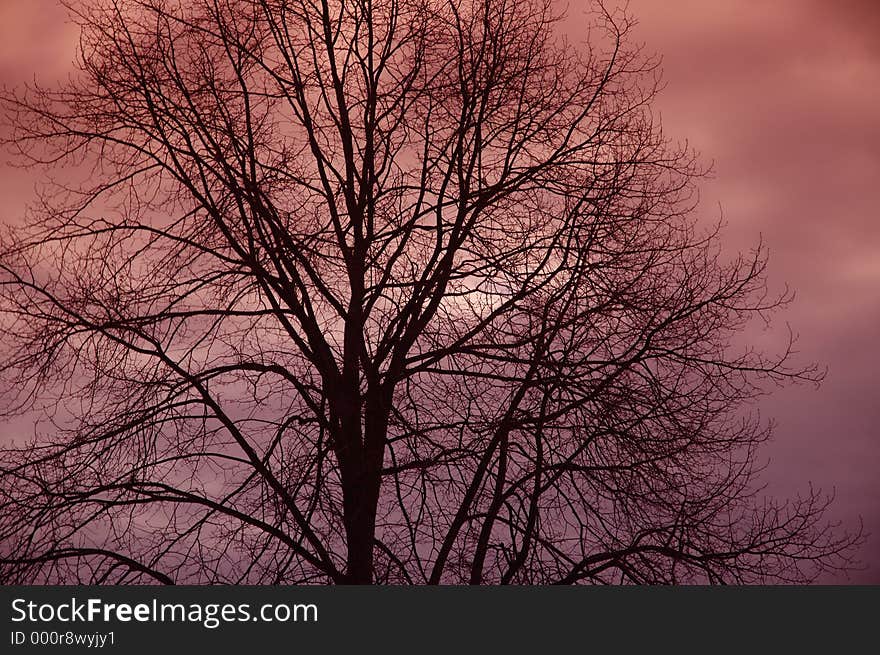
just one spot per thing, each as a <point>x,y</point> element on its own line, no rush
<point>784,97</point>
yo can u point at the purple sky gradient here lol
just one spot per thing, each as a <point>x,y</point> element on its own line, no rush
<point>784,97</point>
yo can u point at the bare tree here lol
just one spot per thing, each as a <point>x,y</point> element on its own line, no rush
<point>392,291</point>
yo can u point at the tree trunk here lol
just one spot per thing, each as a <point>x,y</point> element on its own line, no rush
<point>360,500</point>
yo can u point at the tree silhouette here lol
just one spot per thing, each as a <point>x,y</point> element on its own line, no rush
<point>391,291</point>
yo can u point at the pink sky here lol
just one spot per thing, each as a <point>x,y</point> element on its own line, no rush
<point>784,97</point>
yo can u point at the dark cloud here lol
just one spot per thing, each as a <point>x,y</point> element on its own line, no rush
<point>857,20</point>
